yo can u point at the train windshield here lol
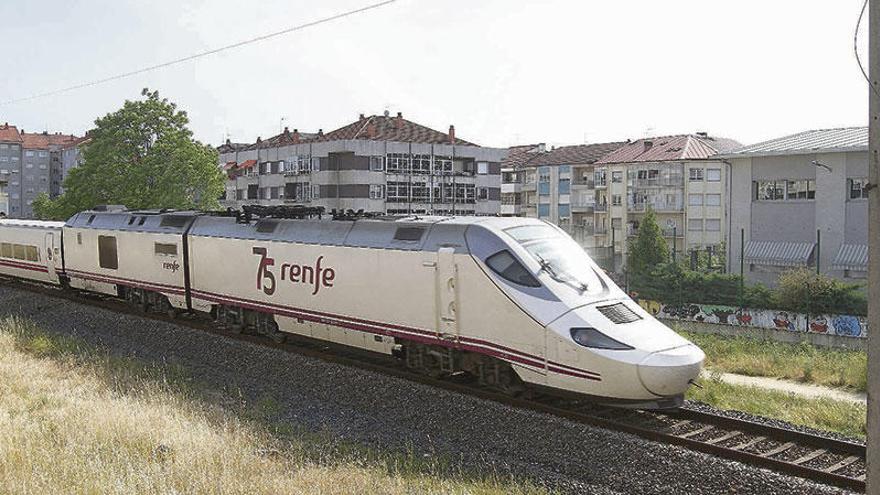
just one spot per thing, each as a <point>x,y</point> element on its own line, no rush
<point>562,258</point>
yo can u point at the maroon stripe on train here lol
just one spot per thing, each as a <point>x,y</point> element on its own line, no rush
<point>24,266</point>
<point>419,335</point>
<point>406,329</point>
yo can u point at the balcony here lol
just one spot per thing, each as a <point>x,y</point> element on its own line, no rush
<point>667,181</point>
<point>514,210</point>
<point>583,207</point>
<point>584,183</point>
<point>511,187</point>
<point>665,231</point>
<point>657,207</point>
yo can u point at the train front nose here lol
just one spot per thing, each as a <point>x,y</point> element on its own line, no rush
<point>669,372</point>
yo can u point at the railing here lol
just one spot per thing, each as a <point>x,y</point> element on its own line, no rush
<point>672,180</point>
<point>600,183</point>
<point>584,182</point>
<point>640,207</point>
<point>601,207</point>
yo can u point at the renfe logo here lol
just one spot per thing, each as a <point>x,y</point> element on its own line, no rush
<point>316,276</point>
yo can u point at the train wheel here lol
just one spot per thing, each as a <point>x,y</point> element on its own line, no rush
<point>275,333</point>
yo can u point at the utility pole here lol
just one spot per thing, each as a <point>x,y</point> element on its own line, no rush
<point>873,449</point>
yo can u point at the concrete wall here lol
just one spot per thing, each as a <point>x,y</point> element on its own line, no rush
<point>831,341</point>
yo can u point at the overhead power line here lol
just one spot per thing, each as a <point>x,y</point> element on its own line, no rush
<point>201,54</point>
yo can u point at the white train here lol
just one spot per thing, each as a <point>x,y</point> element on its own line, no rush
<point>512,301</point>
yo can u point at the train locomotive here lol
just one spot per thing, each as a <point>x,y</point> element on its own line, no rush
<point>513,302</point>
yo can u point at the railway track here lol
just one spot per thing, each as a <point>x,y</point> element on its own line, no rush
<point>809,456</point>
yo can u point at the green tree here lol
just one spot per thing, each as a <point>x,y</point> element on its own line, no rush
<point>649,249</point>
<point>141,156</point>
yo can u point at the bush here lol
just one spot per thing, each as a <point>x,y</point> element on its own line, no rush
<point>804,291</point>
<point>801,291</point>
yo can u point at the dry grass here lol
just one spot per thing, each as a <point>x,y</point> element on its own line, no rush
<point>74,420</point>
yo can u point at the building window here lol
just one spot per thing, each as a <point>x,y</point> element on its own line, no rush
<point>239,194</point>
<point>713,200</point>
<point>564,210</point>
<point>44,154</point>
<point>713,174</point>
<point>696,175</point>
<point>397,162</point>
<point>564,186</point>
<point>544,180</point>
<point>28,153</point>
<point>377,191</point>
<point>695,224</point>
<point>565,169</point>
<point>4,158</point>
<point>769,190</point>
<point>316,191</point>
<point>615,200</point>
<point>29,165</point>
<point>857,188</point>
<point>377,163</point>
<point>483,193</point>
<point>543,210</point>
<point>713,225</point>
<point>273,192</point>
<point>617,177</point>
<point>482,168</point>
<point>800,189</point>
<point>695,199</point>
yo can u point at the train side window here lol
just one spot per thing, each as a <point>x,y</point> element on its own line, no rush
<point>142,220</point>
<point>266,226</point>
<point>31,253</point>
<point>176,221</point>
<point>18,251</point>
<point>166,249</point>
<point>107,257</point>
<point>6,250</point>
<point>91,219</point>
<point>509,268</point>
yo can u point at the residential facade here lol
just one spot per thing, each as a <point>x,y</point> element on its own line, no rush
<point>556,185</point>
<point>30,164</point>
<point>800,201</point>
<point>378,163</point>
<point>678,178</point>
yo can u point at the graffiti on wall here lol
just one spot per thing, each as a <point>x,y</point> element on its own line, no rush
<point>845,325</point>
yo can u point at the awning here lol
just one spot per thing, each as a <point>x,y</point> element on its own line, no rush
<point>851,257</point>
<point>229,165</point>
<point>778,253</point>
<point>247,164</point>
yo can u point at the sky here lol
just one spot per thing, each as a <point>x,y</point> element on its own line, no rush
<point>504,72</point>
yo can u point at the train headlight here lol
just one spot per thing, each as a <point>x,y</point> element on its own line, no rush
<point>590,337</point>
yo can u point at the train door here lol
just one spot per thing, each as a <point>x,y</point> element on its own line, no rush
<point>50,255</point>
<point>446,295</point>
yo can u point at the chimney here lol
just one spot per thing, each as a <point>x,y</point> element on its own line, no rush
<point>259,140</point>
<point>398,122</point>
<point>702,134</point>
<point>451,134</point>
<point>320,132</point>
<point>648,144</point>
<point>228,142</point>
<point>295,136</point>
<point>386,113</point>
<point>361,117</point>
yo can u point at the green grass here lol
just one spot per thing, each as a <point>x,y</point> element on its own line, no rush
<point>802,362</point>
<point>88,422</point>
<point>843,417</point>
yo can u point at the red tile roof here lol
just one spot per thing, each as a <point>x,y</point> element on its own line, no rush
<point>44,140</point>
<point>669,148</point>
<point>578,154</point>
<point>518,156</point>
<point>229,165</point>
<point>9,133</point>
<point>284,139</point>
<point>247,164</point>
<point>387,128</point>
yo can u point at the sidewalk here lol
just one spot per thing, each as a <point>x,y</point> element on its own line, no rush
<point>804,389</point>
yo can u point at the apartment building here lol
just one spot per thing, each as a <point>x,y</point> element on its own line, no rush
<point>800,201</point>
<point>31,164</point>
<point>678,177</point>
<point>378,163</point>
<point>518,195</point>
<point>557,186</point>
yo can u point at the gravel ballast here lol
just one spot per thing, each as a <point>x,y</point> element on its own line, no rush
<point>389,413</point>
